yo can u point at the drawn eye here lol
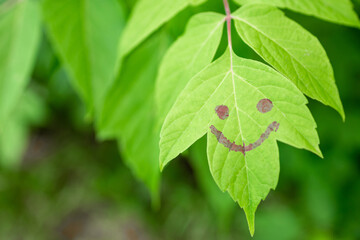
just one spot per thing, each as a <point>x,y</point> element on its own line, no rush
<point>264,105</point>
<point>222,111</point>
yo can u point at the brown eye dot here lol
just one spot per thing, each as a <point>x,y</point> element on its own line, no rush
<point>264,105</point>
<point>222,111</point>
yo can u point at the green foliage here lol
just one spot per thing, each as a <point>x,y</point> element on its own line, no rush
<point>156,100</point>
<point>78,36</point>
<point>132,121</point>
<point>20,32</point>
<point>291,50</point>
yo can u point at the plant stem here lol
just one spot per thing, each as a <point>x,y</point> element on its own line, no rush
<point>228,22</point>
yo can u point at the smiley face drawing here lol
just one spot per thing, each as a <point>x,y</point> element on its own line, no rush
<point>263,106</point>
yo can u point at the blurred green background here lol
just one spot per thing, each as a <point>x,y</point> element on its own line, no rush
<point>58,182</point>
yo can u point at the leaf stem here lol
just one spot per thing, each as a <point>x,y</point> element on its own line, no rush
<point>228,22</point>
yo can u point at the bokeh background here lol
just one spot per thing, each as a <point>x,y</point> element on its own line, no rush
<point>58,182</point>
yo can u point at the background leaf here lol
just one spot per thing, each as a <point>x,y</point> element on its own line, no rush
<point>186,57</point>
<point>85,34</point>
<point>20,34</point>
<point>128,111</point>
<point>291,50</point>
<point>336,11</point>
<point>146,17</point>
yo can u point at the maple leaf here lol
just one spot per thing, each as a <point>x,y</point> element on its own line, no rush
<point>244,106</point>
<point>239,84</point>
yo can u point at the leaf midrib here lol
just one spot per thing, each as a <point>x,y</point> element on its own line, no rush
<point>247,185</point>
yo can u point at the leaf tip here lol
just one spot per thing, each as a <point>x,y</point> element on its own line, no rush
<point>343,116</point>
<point>340,109</point>
<point>250,217</point>
<point>342,113</point>
<point>320,154</point>
<point>317,151</point>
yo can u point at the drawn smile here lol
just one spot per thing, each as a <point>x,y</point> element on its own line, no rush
<point>263,106</point>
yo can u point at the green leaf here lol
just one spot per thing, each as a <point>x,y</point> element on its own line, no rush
<point>85,34</point>
<point>147,16</point>
<point>239,84</point>
<point>291,49</point>
<point>336,11</point>
<point>20,35</point>
<point>128,111</point>
<point>186,57</point>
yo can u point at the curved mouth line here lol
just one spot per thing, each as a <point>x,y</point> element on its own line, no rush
<point>274,126</point>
